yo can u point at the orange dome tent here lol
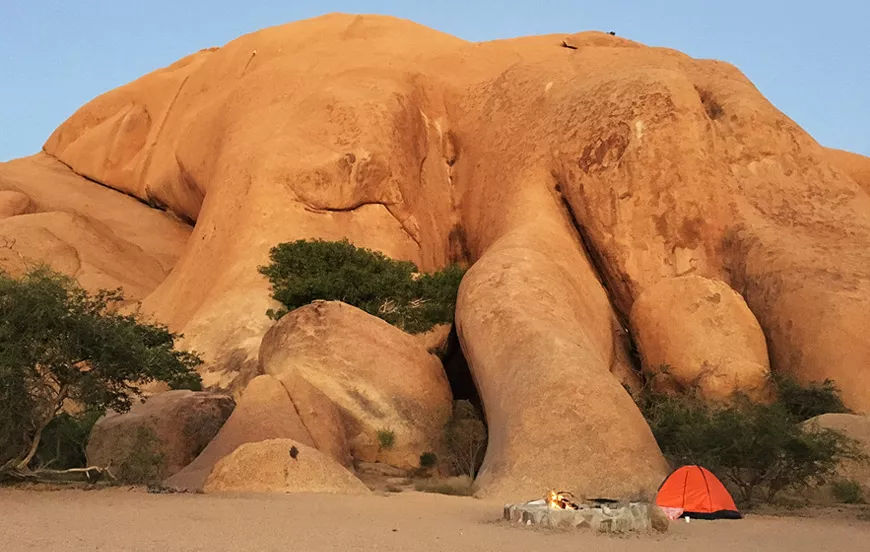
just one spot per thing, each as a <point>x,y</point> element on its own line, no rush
<point>693,491</point>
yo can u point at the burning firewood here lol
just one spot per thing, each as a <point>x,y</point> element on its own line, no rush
<point>561,500</point>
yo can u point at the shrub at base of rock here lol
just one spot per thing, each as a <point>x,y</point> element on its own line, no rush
<point>281,465</point>
<point>759,450</point>
<point>308,270</point>
<point>465,437</point>
<point>459,485</point>
<point>159,437</point>
<point>144,462</point>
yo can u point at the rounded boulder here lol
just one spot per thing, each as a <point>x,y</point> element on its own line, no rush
<point>264,411</point>
<point>380,379</point>
<point>695,332</point>
<point>281,465</point>
<point>167,432</point>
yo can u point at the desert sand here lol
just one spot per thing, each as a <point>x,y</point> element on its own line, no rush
<point>131,520</point>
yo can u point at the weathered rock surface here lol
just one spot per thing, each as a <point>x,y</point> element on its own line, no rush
<point>13,203</point>
<point>264,411</point>
<point>702,175</point>
<point>855,165</point>
<point>178,426</point>
<point>100,237</point>
<point>535,327</point>
<point>855,427</point>
<point>321,416</point>
<point>268,467</point>
<point>697,333</point>
<point>379,378</point>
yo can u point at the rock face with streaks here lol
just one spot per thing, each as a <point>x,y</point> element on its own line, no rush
<point>577,181</point>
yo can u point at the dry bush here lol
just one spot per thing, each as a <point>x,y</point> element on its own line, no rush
<point>465,436</point>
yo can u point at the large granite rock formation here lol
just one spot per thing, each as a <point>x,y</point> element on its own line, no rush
<point>575,178</point>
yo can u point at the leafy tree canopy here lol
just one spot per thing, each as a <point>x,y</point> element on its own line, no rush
<point>807,401</point>
<point>61,346</point>
<point>307,270</point>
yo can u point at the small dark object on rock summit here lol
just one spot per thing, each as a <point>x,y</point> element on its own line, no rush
<point>294,452</point>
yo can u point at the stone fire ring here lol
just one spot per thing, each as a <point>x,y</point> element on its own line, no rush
<point>622,517</point>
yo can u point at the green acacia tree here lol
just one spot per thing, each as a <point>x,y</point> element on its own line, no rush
<point>307,270</point>
<point>60,345</point>
<point>760,449</point>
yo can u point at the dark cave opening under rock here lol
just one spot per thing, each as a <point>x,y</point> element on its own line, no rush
<point>467,432</point>
<point>458,373</point>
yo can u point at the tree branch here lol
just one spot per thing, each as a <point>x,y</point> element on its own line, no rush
<point>37,437</point>
<point>90,473</point>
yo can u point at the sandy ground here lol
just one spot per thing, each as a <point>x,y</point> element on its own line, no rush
<point>123,520</point>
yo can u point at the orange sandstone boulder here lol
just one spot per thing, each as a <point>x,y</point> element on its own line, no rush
<point>322,417</point>
<point>81,247</point>
<point>102,238</point>
<point>377,376</point>
<point>264,411</point>
<point>171,427</point>
<point>281,466</point>
<point>697,333</point>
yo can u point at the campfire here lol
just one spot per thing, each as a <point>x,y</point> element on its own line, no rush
<point>561,500</point>
<point>563,509</point>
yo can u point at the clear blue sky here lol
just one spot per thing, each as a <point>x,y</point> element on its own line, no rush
<point>810,58</point>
